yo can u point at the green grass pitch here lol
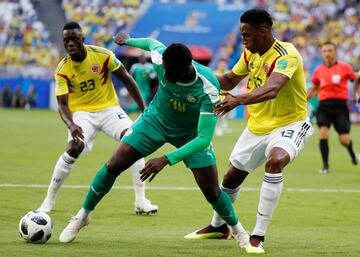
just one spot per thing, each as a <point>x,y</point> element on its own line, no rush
<point>318,214</point>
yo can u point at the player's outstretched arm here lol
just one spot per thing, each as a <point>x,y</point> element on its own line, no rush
<point>261,94</point>
<point>229,80</point>
<point>147,44</point>
<point>131,86</point>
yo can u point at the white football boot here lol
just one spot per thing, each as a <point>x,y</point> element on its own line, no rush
<point>145,207</point>
<point>72,229</point>
<point>242,239</point>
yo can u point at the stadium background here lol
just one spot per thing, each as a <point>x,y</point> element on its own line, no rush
<point>317,214</point>
<point>31,33</point>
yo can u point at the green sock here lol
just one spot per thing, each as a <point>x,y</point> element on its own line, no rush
<point>224,208</point>
<point>101,184</point>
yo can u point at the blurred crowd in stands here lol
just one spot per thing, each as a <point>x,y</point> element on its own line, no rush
<point>102,19</point>
<point>25,48</point>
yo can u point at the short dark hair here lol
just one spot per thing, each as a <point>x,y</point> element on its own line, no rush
<point>328,43</point>
<point>72,25</point>
<point>177,56</point>
<point>256,16</point>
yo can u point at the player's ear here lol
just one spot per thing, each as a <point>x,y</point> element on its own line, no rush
<point>262,30</point>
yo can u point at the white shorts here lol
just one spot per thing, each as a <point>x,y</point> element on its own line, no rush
<point>252,150</point>
<point>112,121</point>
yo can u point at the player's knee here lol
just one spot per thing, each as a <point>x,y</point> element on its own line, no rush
<point>75,148</point>
<point>116,166</point>
<point>275,164</point>
<point>344,139</point>
<point>212,196</point>
<point>324,133</point>
<point>233,178</point>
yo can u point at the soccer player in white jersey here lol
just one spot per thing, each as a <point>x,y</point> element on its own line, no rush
<point>278,125</point>
<point>87,104</point>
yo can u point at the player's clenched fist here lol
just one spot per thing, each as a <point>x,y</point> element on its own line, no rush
<point>120,38</point>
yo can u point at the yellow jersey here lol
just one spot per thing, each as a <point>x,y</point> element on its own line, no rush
<point>89,82</point>
<point>290,104</point>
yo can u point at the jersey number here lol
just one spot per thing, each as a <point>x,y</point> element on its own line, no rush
<point>178,106</point>
<point>287,133</point>
<point>87,85</point>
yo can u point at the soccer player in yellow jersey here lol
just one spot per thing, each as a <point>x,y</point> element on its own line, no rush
<point>87,104</point>
<point>278,125</point>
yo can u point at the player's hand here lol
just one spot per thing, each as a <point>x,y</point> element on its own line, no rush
<point>153,167</point>
<point>229,103</point>
<point>121,38</point>
<point>76,132</point>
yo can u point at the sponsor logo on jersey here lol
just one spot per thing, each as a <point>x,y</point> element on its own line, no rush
<point>266,68</point>
<point>282,64</point>
<point>95,68</point>
<point>163,83</point>
<point>191,99</point>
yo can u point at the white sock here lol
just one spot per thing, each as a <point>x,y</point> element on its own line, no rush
<point>61,171</point>
<point>217,221</point>
<point>237,229</point>
<point>83,213</point>
<point>139,186</point>
<point>270,193</point>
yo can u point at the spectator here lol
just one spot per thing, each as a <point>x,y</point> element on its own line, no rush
<point>6,97</point>
<point>31,98</point>
<point>18,100</point>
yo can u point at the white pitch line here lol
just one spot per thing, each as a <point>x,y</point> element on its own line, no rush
<point>173,188</point>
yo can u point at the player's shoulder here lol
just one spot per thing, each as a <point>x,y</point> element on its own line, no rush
<point>98,50</point>
<point>207,73</point>
<point>319,68</point>
<point>285,48</point>
<point>62,64</point>
<point>344,64</point>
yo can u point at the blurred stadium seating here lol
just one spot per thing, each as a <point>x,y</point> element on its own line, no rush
<point>30,46</point>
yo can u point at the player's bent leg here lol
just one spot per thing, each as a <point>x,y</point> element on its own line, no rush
<point>218,228</point>
<point>100,186</point>
<point>207,180</point>
<point>61,171</point>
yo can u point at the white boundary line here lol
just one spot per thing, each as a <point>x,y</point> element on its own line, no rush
<point>171,188</point>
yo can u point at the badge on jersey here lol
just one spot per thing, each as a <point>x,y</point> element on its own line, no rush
<point>266,68</point>
<point>191,99</point>
<point>335,78</point>
<point>95,68</point>
<point>116,62</point>
<point>282,64</point>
